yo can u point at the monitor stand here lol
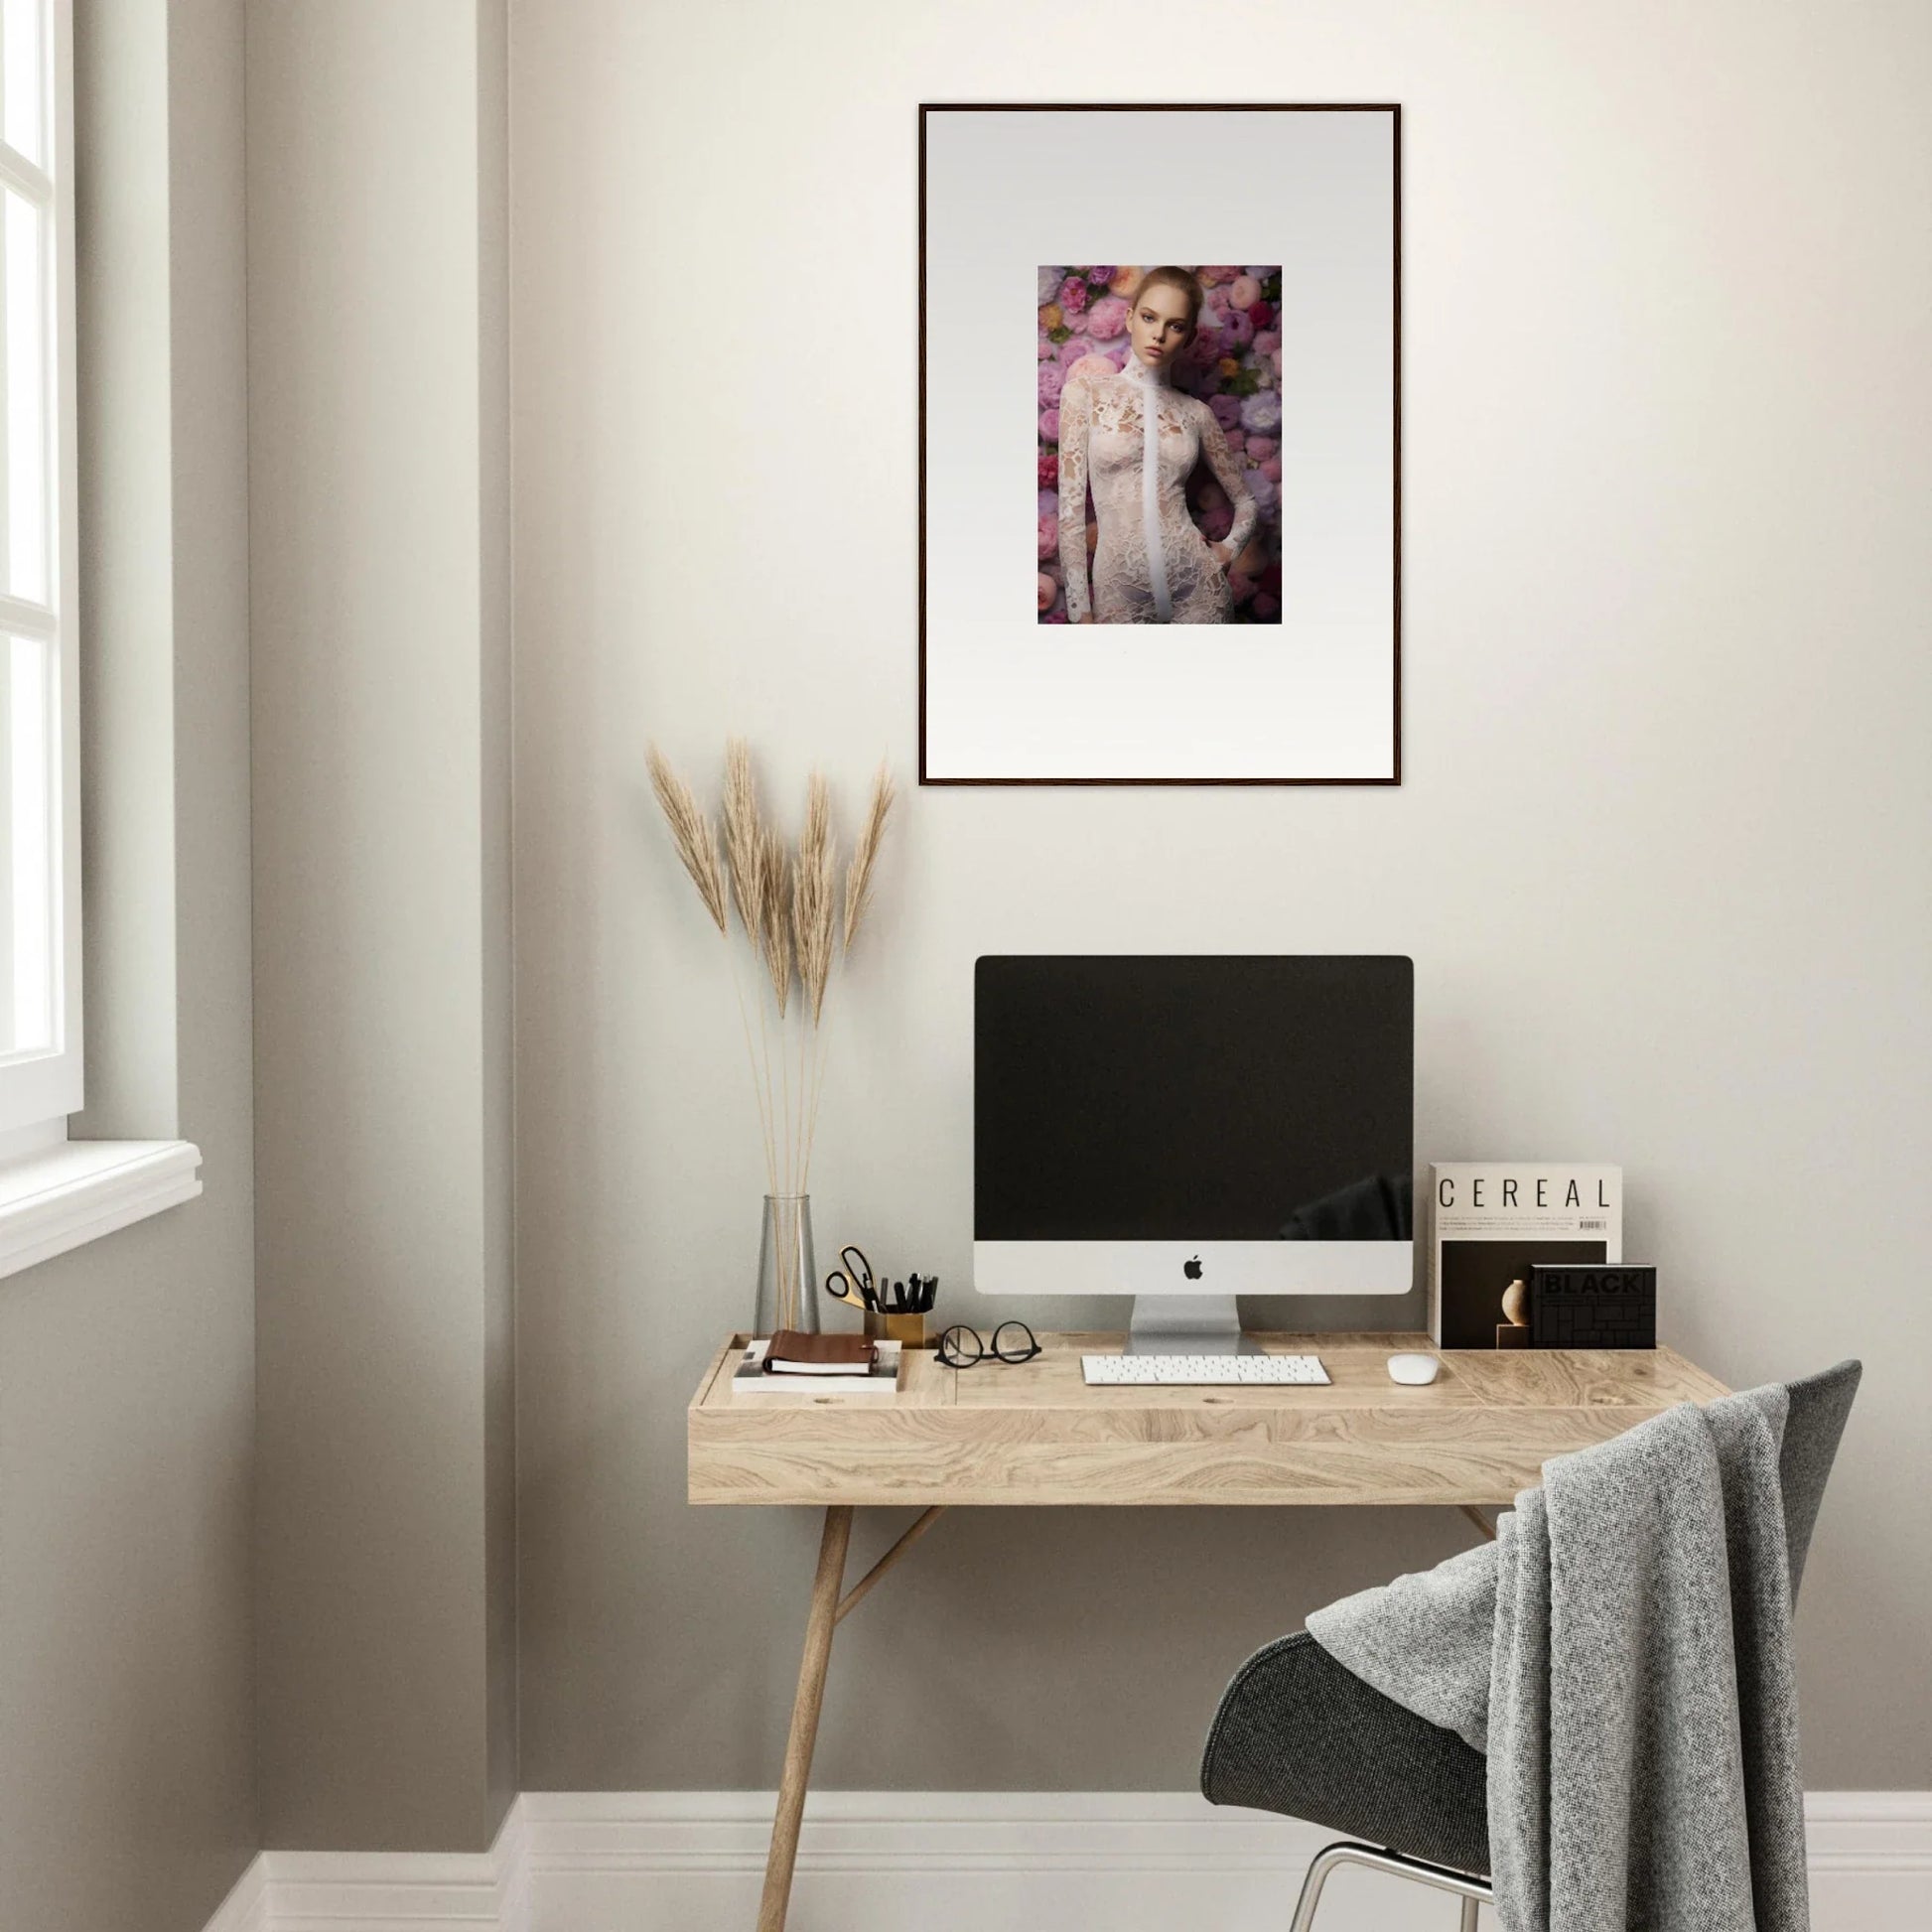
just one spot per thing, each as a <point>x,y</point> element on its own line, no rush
<point>1187,1325</point>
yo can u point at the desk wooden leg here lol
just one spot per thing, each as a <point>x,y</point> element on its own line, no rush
<point>804,1719</point>
<point>1478,1519</point>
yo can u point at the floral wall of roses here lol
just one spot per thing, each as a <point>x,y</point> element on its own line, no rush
<point>1234,363</point>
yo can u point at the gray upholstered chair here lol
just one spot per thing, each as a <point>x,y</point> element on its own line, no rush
<point>1299,1733</point>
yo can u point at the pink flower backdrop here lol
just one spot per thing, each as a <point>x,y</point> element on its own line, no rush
<point>1234,363</point>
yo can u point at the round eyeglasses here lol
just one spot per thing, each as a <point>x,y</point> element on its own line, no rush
<point>1012,1341</point>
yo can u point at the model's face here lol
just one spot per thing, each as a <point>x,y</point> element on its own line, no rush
<point>1159,326</point>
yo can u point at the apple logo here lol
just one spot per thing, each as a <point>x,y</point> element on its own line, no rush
<point>1191,1269</point>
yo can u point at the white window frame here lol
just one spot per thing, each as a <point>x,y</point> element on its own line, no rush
<point>56,1193</point>
<point>40,1088</point>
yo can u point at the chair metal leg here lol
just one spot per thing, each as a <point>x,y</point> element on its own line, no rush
<point>1324,1862</point>
<point>1473,1891</point>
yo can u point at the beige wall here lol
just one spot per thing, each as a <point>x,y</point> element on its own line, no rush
<point>1668,443</point>
<point>378,413</point>
<point>126,1367</point>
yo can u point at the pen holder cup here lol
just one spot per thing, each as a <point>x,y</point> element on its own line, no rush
<point>909,1330</point>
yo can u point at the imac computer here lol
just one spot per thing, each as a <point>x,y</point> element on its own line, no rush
<point>1189,1129</point>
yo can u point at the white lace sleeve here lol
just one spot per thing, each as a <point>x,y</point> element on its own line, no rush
<point>1227,473</point>
<point>1076,417</point>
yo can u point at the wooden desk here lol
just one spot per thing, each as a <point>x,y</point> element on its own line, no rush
<point>1033,1434</point>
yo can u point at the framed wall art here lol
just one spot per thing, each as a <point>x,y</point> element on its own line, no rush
<point>1203,448</point>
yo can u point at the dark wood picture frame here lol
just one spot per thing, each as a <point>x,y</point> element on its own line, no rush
<point>1394,110</point>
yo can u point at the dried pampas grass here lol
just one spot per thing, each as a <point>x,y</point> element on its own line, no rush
<point>787,905</point>
<point>814,897</point>
<point>692,834</point>
<point>743,836</point>
<point>865,853</point>
<point>775,919</point>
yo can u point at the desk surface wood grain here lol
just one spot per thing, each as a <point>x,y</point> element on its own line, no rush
<point>1033,1433</point>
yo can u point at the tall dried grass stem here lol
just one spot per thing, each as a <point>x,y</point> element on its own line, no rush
<point>744,843</point>
<point>774,916</point>
<point>760,1077</point>
<point>864,854</point>
<point>814,897</point>
<point>693,835</point>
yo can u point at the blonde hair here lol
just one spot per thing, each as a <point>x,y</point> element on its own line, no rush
<point>1173,278</point>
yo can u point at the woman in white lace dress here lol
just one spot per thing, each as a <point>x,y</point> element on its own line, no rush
<point>1137,440</point>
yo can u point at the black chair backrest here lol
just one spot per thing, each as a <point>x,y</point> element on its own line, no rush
<point>1819,1407</point>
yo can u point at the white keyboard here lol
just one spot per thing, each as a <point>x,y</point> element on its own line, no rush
<point>1201,1371</point>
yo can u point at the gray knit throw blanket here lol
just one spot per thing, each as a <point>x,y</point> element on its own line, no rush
<point>1622,1652</point>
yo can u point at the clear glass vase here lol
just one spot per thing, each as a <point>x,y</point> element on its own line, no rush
<point>787,1272</point>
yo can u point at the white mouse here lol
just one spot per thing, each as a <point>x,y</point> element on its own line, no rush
<point>1413,1369</point>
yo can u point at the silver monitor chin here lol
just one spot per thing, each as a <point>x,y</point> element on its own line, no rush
<point>1184,1294</point>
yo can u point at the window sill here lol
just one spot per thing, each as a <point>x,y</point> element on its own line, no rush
<point>82,1190</point>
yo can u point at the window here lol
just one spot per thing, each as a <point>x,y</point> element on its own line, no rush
<point>40,832</point>
<point>55,1194</point>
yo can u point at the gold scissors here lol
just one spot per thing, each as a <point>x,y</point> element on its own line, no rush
<point>852,1281</point>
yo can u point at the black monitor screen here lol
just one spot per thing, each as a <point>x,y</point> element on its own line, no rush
<point>1193,1099</point>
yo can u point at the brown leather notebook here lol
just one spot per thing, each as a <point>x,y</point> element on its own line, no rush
<point>794,1353</point>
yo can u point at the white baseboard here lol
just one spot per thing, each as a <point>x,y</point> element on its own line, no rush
<point>386,1891</point>
<point>955,1861</point>
<point>246,1909</point>
<point>1871,1859</point>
